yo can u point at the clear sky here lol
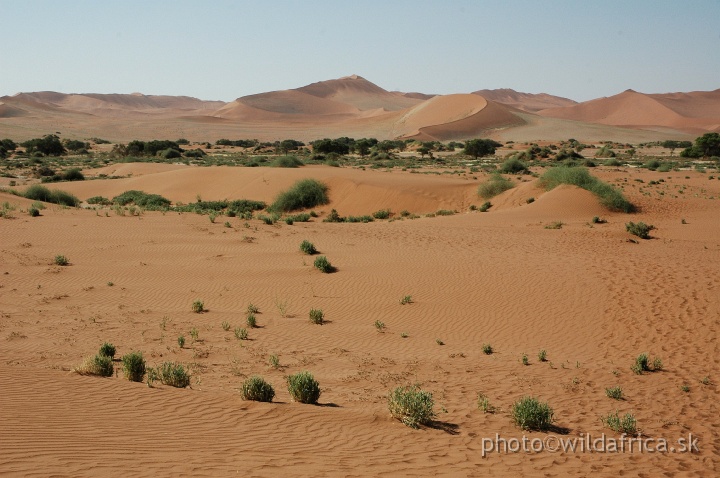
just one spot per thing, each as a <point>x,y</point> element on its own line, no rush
<point>222,49</point>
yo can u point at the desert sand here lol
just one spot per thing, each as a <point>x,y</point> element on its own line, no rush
<point>584,293</point>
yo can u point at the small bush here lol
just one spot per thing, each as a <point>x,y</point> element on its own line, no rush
<point>34,212</point>
<point>41,193</point>
<point>287,162</point>
<point>303,387</point>
<point>530,414</point>
<point>61,260</point>
<point>615,393</point>
<point>513,166</point>
<point>252,309</point>
<point>198,306</point>
<point>380,326</point>
<point>555,225</point>
<point>181,341</point>
<point>382,214</point>
<point>406,300</point>
<point>323,265</point>
<point>496,185</point>
<point>107,350</point>
<point>639,229</point>
<point>641,364</point>
<point>542,356</point>
<point>99,365</point>
<point>173,374</point>
<point>304,194</point>
<point>257,389</point>
<point>411,405</point>
<point>657,364</point>
<point>485,206</point>
<point>487,349</point>
<point>525,360</point>
<point>626,424</point>
<point>226,326</point>
<point>484,404</point>
<point>308,248</point>
<point>317,316</point>
<point>240,333</point>
<point>251,321</point>
<point>134,366</point>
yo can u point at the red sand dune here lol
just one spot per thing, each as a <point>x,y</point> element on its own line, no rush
<point>695,112</point>
<point>525,101</point>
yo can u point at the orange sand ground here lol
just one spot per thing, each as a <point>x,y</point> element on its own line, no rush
<point>585,294</point>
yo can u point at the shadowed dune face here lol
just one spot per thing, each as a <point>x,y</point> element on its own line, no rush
<point>584,294</point>
<point>353,106</point>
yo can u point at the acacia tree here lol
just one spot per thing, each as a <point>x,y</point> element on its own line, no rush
<point>480,147</point>
<point>705,146</point>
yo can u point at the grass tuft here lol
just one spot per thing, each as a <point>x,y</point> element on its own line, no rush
<point>531,414</point>
<point>609,197</point>
<point>303,194</point>
<point>303,387</point>
<point>257,389</point>
<point>411,405</point>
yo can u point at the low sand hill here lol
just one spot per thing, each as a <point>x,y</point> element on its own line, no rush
<point>695,112</point>
<point>584,293</point>
<point>525,101</point>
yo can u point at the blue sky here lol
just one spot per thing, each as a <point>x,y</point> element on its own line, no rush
<point>221,50</point>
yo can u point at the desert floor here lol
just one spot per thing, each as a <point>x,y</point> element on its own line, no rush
<point>584,293</point>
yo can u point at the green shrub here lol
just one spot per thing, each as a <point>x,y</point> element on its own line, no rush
<point>641,364</point>
<point>615,393</point>
<point>198,306</point>
<point>134,366</point>
<point>181,341</point>
<point>485,206</point>
<point>286,162</point>
<point>406,300</point>
<point>513,166</point>
<point>304,194</point>
<point>525,360</point>
<point>34,212</point>
<point>487,349</point>
<point>496,185</point>
<point>251,321</point>
<point>226,325</point>
<point>380,326</point>
<point>657,364</point>
<point>100,365</point>
<point>411,405</point>
<point>257,389</point>
<point>142,199</point>
<point>323,265</point>
<point>382,214</point>
<point>609,197</point>
<point>531,414</point>
<point>98,200</point>
<point>317,316</point>
<point>303,387</point>
<point>542,356</point>
<point>107,350</point>
<point>252,309</point>
<point>240,333</point>
<point>626,424</point>
<point>41,193</point>
<point>61,260</point>
<point>484,404</point>
<point>639,229</point>
<point>173,374</point>
<point>308,248</point>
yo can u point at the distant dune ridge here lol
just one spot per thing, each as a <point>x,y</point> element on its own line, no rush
<point>354,106</point>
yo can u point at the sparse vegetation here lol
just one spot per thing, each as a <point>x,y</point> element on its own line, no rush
<point>257,389</point>
<point>525,360</point>
<point>241,333</point>
<point>615,393</point>
<point>639,229</point>
<point>100,365</point>
<point>173,374</point>
<point>134,366</point>
<point>61,260</point>
<point>308,248</point>
<point>251,321</point>
<point>107,350</point>
<point>198,306</point>
<point>626,424</point>
<point>274,361</point>
<point>303,387</point>
<point>379,326</point>
<point>487,349</point>
<point>323,265</point>
<point>317,316</point>
<point>496,185</point>
<point>411,405</point>
<point>542,356</point>
<point>406,300</point>
<point>531,414</point>
<point>483,403</point>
